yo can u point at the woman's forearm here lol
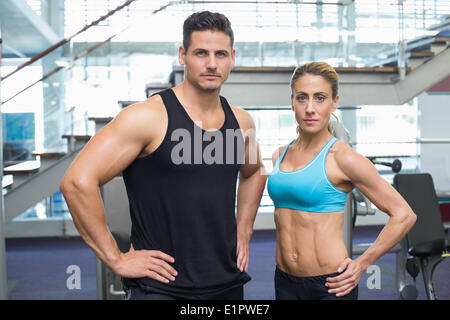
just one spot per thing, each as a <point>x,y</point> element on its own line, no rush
<point>392,233</point>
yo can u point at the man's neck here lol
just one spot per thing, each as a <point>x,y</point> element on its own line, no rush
<point>196,98</point>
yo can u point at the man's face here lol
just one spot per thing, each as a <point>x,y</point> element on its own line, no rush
<point>208,59</point>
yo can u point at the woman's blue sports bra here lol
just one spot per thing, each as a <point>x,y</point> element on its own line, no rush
<point>308,188</point>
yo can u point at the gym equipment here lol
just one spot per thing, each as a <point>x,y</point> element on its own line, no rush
<point>396,165</point>
<point>445,215</point>
<point>358,209</point>
<point>426,240</point>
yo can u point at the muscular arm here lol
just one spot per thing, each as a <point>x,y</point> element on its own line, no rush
<point>252,179</point>
<point>107,154</point>
<point>364,176</point>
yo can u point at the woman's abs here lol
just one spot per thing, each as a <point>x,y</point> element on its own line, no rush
<point>309,244</point>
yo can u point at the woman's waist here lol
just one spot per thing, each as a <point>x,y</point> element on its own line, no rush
<point>309,257</point>
<point>309,266</point>
<point>303,277</point>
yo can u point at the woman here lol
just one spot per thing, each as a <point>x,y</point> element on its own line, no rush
<point>309,187</point>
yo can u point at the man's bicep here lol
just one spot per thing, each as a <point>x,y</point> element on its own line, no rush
<point>110,151</point>
<point>252,162</point>
<point>252,157</point>
<point>276,155</point>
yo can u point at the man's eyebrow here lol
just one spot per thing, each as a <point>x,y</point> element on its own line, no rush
<point>315,93</point>
<point>199,49</point>
<point>218,50</point>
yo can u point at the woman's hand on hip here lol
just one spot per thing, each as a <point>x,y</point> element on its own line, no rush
<point>344,283</point>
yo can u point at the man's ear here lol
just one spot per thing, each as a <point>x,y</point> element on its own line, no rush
<point>181,55</point>
<point>233,57</point>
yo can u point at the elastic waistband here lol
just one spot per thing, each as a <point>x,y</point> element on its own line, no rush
<point>300,279</point>
<point>152,286</point>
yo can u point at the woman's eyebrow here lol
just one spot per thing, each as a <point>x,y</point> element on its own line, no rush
<point>315,93</point>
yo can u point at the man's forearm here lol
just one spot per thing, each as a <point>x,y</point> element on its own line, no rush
<point>249,196</point>
<point>86,207</point>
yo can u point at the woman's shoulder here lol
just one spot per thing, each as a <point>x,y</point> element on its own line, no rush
<point>348,159</point>
<point>277,153</point>
<point>341,147</point>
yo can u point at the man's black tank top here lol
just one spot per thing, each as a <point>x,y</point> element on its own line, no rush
<point>182,202</point>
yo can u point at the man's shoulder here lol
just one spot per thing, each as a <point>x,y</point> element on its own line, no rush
<point>151,109</point>
<point>152,104</point>
<point>243,117</point>
<point>146,118</point>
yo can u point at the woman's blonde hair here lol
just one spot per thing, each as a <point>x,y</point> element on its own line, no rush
<point>324,70</point>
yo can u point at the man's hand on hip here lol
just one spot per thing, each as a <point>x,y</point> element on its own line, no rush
<point>146,263</point>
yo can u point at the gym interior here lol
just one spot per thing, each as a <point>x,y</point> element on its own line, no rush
<point>68,67</point>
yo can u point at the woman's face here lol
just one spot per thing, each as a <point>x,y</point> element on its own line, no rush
<point>313,103</point>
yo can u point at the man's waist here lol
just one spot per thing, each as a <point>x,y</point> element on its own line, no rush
<point>186,287</point>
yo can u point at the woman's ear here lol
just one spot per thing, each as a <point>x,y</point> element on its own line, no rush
<point>335,104</point>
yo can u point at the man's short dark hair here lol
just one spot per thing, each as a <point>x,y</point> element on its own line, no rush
<point>206,20</point>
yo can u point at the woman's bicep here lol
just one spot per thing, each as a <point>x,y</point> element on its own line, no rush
<point>364,176</point>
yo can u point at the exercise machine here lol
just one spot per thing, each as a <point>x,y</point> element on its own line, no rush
<point>426,241</point>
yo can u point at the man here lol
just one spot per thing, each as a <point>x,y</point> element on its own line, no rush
<point>180,153</point>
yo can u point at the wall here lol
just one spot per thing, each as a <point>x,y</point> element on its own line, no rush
<point>434,108</point>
